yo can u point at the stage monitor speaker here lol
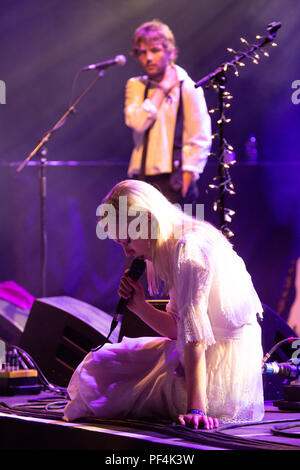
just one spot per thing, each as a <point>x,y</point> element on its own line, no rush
<point>133,327</point>
<point>12,322</point>
<point>60,331</point>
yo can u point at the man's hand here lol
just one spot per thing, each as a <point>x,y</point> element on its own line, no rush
<point>170,79</point>
<point>187,178</point>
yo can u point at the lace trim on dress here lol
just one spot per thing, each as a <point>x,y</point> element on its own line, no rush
<point>193,286</point>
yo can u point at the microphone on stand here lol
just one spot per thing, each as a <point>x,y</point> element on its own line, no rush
<point>118,60</point>
<point>286,370</point>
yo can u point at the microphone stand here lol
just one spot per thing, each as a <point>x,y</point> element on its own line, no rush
<point>218,80</point>
<point>42,151</point>
<point>43,194</point>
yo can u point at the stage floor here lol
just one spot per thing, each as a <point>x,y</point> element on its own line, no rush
<point>35,423</point>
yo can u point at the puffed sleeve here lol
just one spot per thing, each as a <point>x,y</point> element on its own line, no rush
<point>192,283</point>
<point>139,113</point>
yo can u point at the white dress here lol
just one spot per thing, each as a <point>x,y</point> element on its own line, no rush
<point>213,300</point>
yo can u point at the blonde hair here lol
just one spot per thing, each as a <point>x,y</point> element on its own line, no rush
<point>171,224</point>
<point>155,30</point>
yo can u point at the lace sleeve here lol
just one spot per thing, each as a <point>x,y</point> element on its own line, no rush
<point>193,281</point>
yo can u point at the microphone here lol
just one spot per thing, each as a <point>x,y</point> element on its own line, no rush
<point>273,27</point>
<point>118,60</point>
<point>286,370</point>
<point>136,270</point>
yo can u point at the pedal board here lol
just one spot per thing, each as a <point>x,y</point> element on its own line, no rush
<point>19,382</point>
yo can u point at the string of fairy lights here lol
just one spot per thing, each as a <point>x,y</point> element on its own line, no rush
<point>226,155</point>
<point>222,182</point>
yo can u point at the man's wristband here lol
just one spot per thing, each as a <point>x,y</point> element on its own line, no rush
<point>196,412</point>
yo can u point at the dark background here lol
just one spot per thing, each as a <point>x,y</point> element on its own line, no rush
<point>45,43</point>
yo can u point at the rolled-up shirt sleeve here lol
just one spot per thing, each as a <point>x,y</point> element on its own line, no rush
<point>193,281</point>
<point>139,113</point>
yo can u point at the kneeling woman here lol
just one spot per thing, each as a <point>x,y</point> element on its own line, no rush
<point>205,368</point>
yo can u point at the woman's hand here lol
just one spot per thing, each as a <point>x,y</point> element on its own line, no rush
<point>197,421</point>
<point>132,290</point>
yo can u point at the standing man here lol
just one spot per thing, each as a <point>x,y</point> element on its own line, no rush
<point>168,115</point>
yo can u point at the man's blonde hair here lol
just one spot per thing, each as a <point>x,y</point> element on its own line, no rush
<point>155,30</point>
